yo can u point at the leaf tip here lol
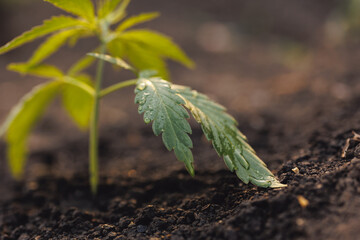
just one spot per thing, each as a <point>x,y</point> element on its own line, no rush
<point>276,184</point>
<point>190,169</point>
<point>190,64</point>
<point>269,182</point>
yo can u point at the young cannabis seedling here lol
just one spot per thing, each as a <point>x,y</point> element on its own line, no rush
<point>164,104</point>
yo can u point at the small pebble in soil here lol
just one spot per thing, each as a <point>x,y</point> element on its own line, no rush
<point>24,236</point>
<point>303,201</point>
<point>296,170</point>
<point>141,228</point>
<point>345,149</point>
<point>300,222</point>
<point>112,234</point>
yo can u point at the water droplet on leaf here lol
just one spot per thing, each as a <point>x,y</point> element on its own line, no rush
<point>146,120</point>
<point>141,86</point>
<point>141,101</point>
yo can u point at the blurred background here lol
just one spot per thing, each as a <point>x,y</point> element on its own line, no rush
<point>287,70</point>
<point>271,63</point>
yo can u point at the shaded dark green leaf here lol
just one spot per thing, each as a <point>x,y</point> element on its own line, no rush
<point>163,107</point>
<point>228,141</point>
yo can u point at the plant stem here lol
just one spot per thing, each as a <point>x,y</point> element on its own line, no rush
<point>94,139</point>
<point>118,86</point>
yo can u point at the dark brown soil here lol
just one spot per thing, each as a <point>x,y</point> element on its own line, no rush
<point>213,205</point>
<point>297,114</point>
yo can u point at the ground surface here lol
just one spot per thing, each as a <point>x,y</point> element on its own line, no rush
<point>294,93</point>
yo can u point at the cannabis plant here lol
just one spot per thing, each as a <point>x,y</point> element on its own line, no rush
<point>144,52</point>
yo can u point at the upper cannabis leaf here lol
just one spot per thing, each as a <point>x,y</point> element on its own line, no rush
<point>143,48</point>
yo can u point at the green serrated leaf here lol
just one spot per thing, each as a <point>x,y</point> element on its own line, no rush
<point>141,58</point>
<point>21,121</point>
<point>82,81</point>
<point>50,46</point>
<point>78,99</point>
<point>107,6</point>
<point>44,70</point>
<point>116,11</point>
<point>117,48</point>
<point>80,33</point>
<point>114,60</point>
<point>144,59</point>
<point>163,107</point>
<point>157,43</point>
<point>81,65</point>
<point>82,8</point>
<point>52,25</point>
<point>228,141</point>
<point>135,20</point>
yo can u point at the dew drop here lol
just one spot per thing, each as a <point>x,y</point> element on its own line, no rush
<point>146,120</point>
<point>141,86</point>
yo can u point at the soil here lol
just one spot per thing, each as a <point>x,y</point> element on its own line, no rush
<point>299,112</point>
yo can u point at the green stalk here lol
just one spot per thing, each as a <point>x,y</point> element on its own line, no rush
<point>118,86</point>
<point>94,139</point>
